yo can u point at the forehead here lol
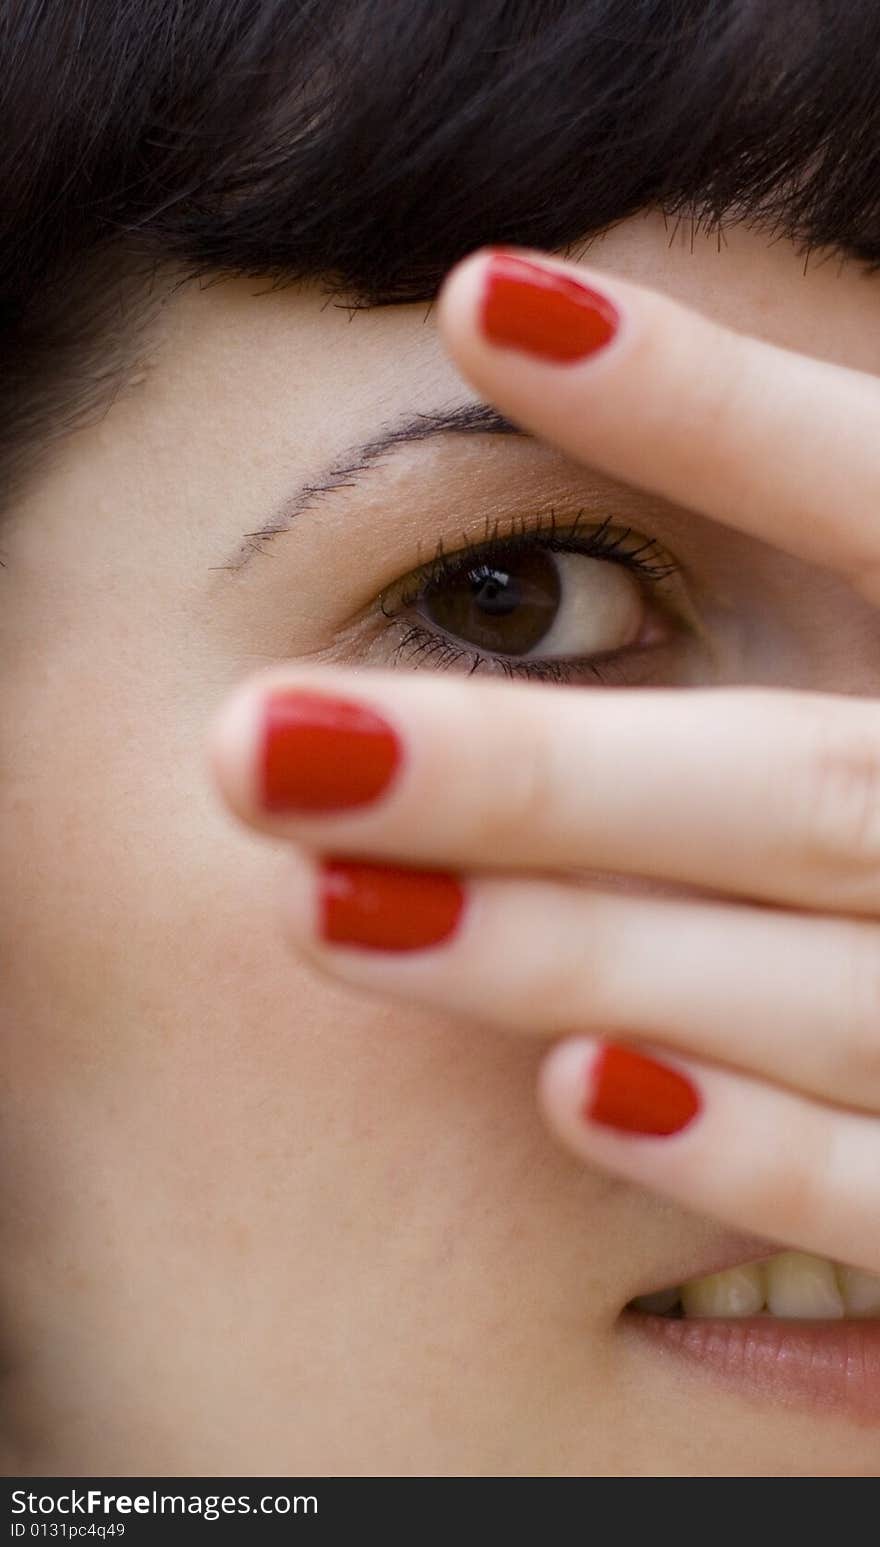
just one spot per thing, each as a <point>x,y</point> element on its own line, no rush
<point>294,375</point>
<point>742,276</point>
<point>753,283</point>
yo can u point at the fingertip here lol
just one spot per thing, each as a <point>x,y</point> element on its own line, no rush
<point>460,294</point>
<point>564,1079</point>
<point>230,738</point>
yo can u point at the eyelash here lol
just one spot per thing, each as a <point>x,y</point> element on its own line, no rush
<point>498,543</point>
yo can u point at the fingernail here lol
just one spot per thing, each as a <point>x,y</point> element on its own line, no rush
<point>636,1094</point>
<point>323,754</point>
<point>543,312</point>
<point>385,908</point>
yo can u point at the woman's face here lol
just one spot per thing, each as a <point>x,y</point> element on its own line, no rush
<point>254,1221</point>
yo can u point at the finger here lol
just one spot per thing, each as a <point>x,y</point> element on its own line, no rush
<point>748,1154</point>
<point>768,794</point>
<point>781,995</point>
<point>772,442</point>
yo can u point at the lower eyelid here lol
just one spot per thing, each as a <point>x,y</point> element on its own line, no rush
<point>631,666</point>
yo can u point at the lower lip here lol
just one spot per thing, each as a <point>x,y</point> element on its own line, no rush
<point>826,1365</point>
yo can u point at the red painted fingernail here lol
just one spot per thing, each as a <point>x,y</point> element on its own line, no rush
<point>324,754</point>
<point>385,908</point>
<point>543,312</point>
<point>639,1095</point>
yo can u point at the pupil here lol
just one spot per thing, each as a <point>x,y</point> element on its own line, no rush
<point>495,591</point>
<point>501,609</point>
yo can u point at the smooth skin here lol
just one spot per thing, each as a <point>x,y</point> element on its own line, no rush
<point>768,797</point>
<point>256,1217</point>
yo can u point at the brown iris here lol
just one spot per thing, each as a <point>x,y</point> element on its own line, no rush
<point>508,608</point>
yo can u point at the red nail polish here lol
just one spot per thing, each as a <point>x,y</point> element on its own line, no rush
<point>324,754</point>
<point>543,312</point>
<point>639,1095</point>
<point>386,908</point>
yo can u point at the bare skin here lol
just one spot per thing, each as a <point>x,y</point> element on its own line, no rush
<point>257,1217</point>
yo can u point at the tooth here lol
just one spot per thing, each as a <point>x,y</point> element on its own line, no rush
<point>660,1303</point>
<point>861,1291</point>
<point>799,1285</point>
<point>736,1292</point>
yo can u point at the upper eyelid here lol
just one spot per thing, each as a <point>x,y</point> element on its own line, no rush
<point>447,430</point>
<point>542,532</point>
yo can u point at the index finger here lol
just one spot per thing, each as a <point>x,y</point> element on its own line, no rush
<point>764,439</point>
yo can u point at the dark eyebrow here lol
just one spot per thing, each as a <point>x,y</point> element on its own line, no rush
<point>466,419</point>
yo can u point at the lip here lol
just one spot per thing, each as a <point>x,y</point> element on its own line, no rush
<point>828,1366</point>
<point>824,1366</point>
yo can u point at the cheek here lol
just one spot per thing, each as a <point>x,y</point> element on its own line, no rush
<point>160,1028</point>
<point>173,1069</point>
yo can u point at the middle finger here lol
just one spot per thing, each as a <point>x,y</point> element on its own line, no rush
<point>765,793</point>
<point>543,957</point>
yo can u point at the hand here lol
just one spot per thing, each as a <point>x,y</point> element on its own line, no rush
<point>727,1052</point>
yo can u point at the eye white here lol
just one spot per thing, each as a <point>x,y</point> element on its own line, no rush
<point>601,608</point>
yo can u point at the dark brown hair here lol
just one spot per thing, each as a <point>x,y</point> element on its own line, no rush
<point>370,143</point>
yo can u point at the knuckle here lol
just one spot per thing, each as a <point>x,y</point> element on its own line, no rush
<point>521,800</point>
<point>724,389</point>
<point>836,800</point>
<point>799,1199</point>
<point>567,992</point>
<point>787,1194</point>
<point>554,995</point>
<point>721,404</point>
<point>856,1047</point>
<point>560,985</point>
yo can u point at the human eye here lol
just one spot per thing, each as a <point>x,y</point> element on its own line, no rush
<point>549,598</point>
